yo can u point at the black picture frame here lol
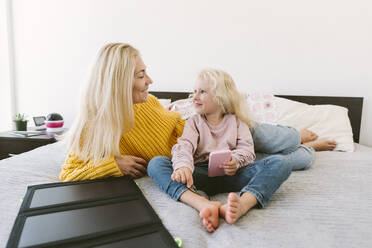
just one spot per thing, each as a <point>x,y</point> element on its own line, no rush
<point>39,120</point>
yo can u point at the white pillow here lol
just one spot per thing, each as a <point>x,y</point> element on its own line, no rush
<point>262,107</point>
<point>184,106</point>
<point>165,102</point>
<point>327,121</point>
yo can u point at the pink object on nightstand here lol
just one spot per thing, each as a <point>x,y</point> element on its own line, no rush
<point>54,124</point>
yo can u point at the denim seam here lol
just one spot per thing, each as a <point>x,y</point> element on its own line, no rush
<point>179,192</point>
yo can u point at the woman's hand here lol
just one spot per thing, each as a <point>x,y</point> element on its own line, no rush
<point>131,165</point>
<point>230,167</point>
<point>183,175</point>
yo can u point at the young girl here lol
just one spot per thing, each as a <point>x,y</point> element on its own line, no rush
<point>221,123</point>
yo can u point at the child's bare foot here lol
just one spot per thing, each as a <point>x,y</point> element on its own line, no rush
<point>307,136</point>
<point>322,145</point>
<point>210,216</point>
<point>235,208</point>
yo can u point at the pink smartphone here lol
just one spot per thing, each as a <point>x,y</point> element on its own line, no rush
<point>215,160</point>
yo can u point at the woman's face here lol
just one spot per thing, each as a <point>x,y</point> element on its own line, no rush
<point>141,82</point>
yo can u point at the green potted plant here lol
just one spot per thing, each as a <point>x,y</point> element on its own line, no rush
<point>20,122</point>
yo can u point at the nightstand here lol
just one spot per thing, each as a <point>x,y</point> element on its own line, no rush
<point>11,144</point>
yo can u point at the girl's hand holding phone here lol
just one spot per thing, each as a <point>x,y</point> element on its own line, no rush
<point>183,175</point>
<point>230,167</point>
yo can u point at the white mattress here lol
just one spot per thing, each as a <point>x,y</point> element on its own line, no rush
<point>329,205</point>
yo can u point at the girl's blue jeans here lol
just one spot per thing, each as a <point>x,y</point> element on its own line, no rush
<point>260,178</point>
<point>276,139</point>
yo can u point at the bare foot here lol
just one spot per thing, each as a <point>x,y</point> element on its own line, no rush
<point>234,208</point>
<point>307,136</point>
<point>322,145</point>
<point>210,216</point>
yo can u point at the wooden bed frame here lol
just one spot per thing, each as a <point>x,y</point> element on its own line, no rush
<point>353,104</point>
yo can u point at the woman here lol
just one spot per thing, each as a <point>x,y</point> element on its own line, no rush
<point>117,117</point>
<point>120,127</point>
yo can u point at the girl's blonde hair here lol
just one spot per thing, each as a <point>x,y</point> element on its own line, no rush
<point>226,94</point>
<point>106,109</point>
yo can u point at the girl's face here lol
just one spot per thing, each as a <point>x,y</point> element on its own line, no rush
<point>141,82</point>
<point>204,99</point>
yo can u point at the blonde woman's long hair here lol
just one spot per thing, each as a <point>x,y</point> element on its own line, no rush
<point>226,94</point>
<point>106,109</point>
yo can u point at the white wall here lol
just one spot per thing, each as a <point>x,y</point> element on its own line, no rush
<point>319,47</point>
<point>5,70</point>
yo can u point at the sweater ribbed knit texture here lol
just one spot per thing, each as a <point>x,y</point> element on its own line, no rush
<point>155,132</point>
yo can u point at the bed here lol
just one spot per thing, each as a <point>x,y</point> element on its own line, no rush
<point>328,205</point>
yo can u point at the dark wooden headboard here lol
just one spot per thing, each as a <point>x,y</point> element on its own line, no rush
<point>353,104</point>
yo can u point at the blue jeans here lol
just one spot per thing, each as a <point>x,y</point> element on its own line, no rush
<point>260,178</point>
<point>276,139</point>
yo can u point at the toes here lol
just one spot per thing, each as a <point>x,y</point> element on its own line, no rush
<point>233,209</point>
<point>210,227</point>
<point>232,204</point>
<point>233,197</point>
<point>205,213</point>
<point>233,200</point>
<point>331,144</point>
<point>233,217</point>
<point>210,216</point>
<point>205,222</point>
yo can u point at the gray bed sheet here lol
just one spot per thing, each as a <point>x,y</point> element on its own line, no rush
<point>329,205</point>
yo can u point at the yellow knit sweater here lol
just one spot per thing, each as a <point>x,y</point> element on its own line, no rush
<point>155,131</point>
